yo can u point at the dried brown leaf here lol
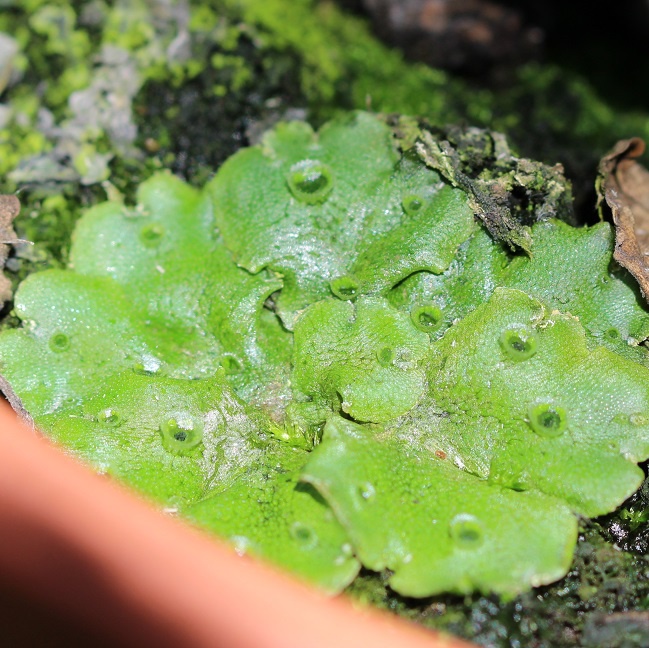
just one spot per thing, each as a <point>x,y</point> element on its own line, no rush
<point>623,184</point>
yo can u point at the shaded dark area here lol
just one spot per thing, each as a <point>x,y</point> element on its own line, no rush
<point>470,37</point>
<point>628,527</point>
<point>608,43</point>
<point>27,624</point>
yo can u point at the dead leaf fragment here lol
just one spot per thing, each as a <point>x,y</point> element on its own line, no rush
<point>623,183</point>
<point>9,209</point>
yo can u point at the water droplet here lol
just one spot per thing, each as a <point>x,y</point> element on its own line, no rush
<point>59,342</point>
<point>367,491</point>
<point>385,356</point>
<point>347,550</point>
<point>181,434</point>
<point>110,417</point>
<point>149,366</point>
<point>344,287</point>
<point>310,181</point>
<point>151,234</point>
<point>427,317</point>
<point>639,419</point>
<point>304,535</point>
<point>519,343</point>
<point>230,364</point>
<point>548,419</point>
<point>412,203</point>
<point>466,531</point>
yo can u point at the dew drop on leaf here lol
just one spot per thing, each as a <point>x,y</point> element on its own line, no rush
<point>385,356</point>
<point>304,535</point>
<point>366,491</point>
<point>151,234</point>
<point>310,181</point>
<point>230,364</point>
<point>519,343</point>
<point>548,419</point>
<point>110,417</point>
<point>412,203</point>
<point>149,366</point>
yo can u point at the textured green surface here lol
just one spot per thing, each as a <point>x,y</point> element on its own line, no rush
<point>362,358</point>
<point>250,61</point>
<point>275,516</point>
<point>127,430</point>
<point>130,361</point>
<point>484,399</point>
<point>570,269</point>
<point>436,527</point>
<point>363,224</point>
<point>450,403</point>
<point>138,281</point>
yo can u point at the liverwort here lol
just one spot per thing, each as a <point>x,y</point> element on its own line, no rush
<point>322,358</point>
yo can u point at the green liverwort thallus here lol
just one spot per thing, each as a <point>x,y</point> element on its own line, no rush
<point>323,358</point>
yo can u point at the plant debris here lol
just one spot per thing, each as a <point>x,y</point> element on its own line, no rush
<point>508,194</point>
<point>623,184</point>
